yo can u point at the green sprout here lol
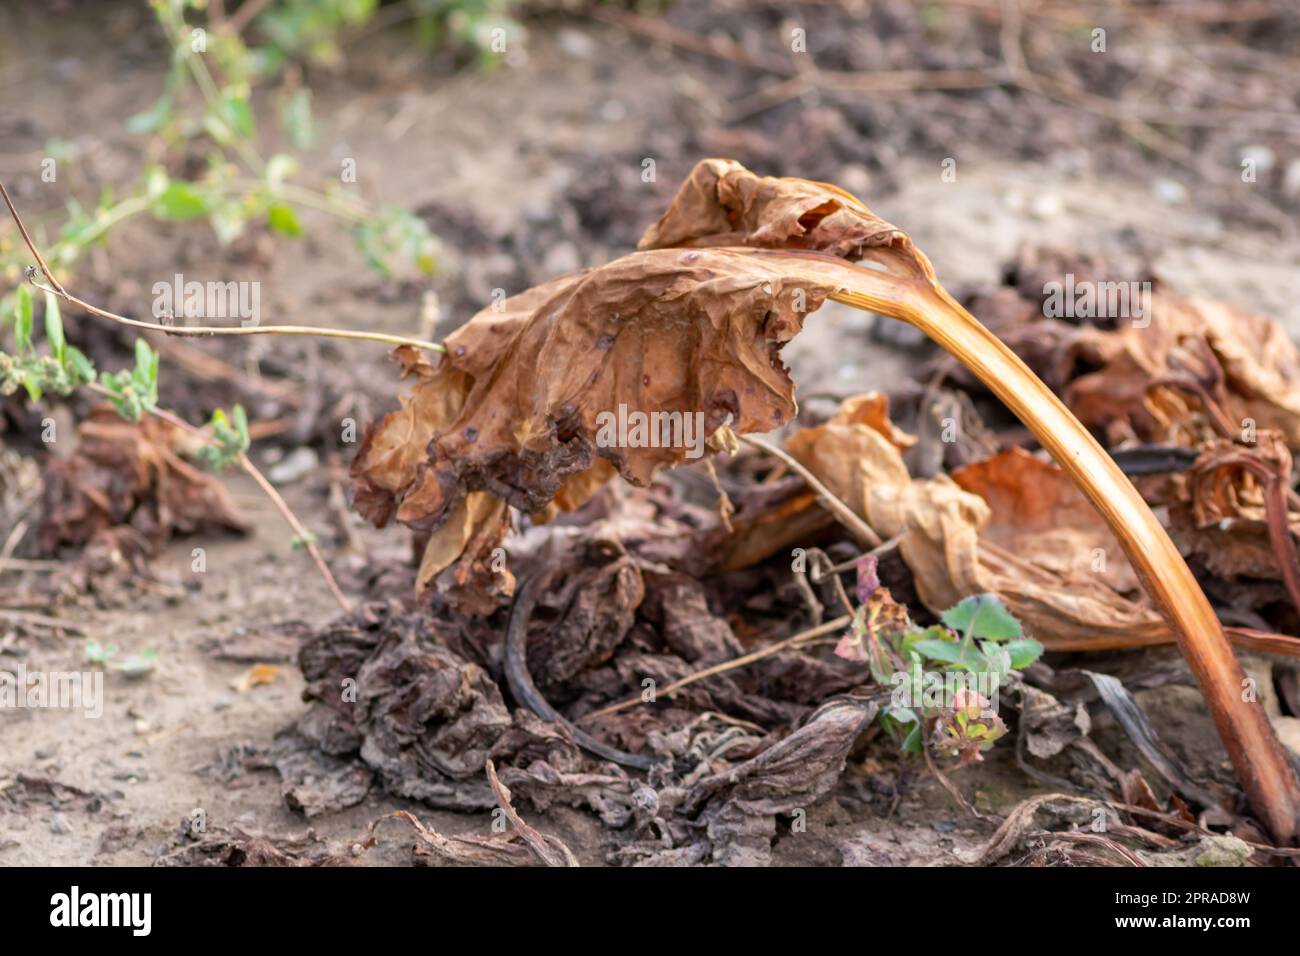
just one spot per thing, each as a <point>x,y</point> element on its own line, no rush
<point>229,439</point>
<point>134,391</point>
<point>132,665</point>
<point>945,677</point>
<point>60,371</point>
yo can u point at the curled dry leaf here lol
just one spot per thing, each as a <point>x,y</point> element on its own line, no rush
<point>538,399</point>
<point>1233,509</point>
<point>130,474</point>
<point>722,203</point>
<point>1054,561</point>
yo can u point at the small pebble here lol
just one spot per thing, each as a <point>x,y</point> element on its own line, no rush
<point>1261,157</point>
<point>1170,191</point>
<point>576,44</point>
<point>298,463</point>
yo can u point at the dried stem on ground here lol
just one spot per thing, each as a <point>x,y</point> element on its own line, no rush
<point>865,534</point>
<point>801,639</point>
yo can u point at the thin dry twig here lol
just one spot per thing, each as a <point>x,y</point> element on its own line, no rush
<point>40,620</point>
<point>865,534</point>
<point>790,643</point>
<point>57,289</point>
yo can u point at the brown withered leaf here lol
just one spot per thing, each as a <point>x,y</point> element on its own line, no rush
<point>694,334</point>
<point>1038,514</point>
<point>1034,541</point>
<point>1247,361</point>
<point>462,547</point>
<point>660,331</point>
<point>235,846</point>
<point>722,203</point>
<point>1052,558</point>
<point>125,473</point>
<point>738,806</point>
<point>1222,514</point>
<point>516,406</point>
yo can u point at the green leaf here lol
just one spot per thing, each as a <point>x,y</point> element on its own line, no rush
<point>54,328</point>
<point>939,650</point>
<point>180,202</point>
<point>912,742</point>
<point>153,118</point>
<point>146,373</point>
<point>23,318</point>
<point>1024,652</point>
<point>237,112</point>
<point>284,220</point>
<point>33,390</point>
<point>241,425</point>
<point>983,615</point>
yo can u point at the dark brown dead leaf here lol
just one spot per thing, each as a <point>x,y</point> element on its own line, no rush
<point>125,473</point>
<point>739,805</point>
<point>235,846</point>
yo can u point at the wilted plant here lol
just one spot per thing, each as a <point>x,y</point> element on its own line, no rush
<point>751,255</point>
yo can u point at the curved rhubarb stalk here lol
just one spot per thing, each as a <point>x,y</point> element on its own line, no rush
<point>904,287</point>
<point>1261,764</point>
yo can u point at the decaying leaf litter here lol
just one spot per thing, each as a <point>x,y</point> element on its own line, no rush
<point>635,585</point>
<point>734,475</point>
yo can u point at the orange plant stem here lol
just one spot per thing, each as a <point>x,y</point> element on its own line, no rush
<point>1261,764</point>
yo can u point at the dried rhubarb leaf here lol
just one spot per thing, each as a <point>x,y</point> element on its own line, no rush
<point>130,474</point>
<point>392,453</point>
<point>1038,514</point>
<point>525,405</point>
<point>952,541</point>
<point>467,539</point>
<point>1054,561</point>
<point>722,203</point>
<point>1221,513</point>
<point>517,405</point>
